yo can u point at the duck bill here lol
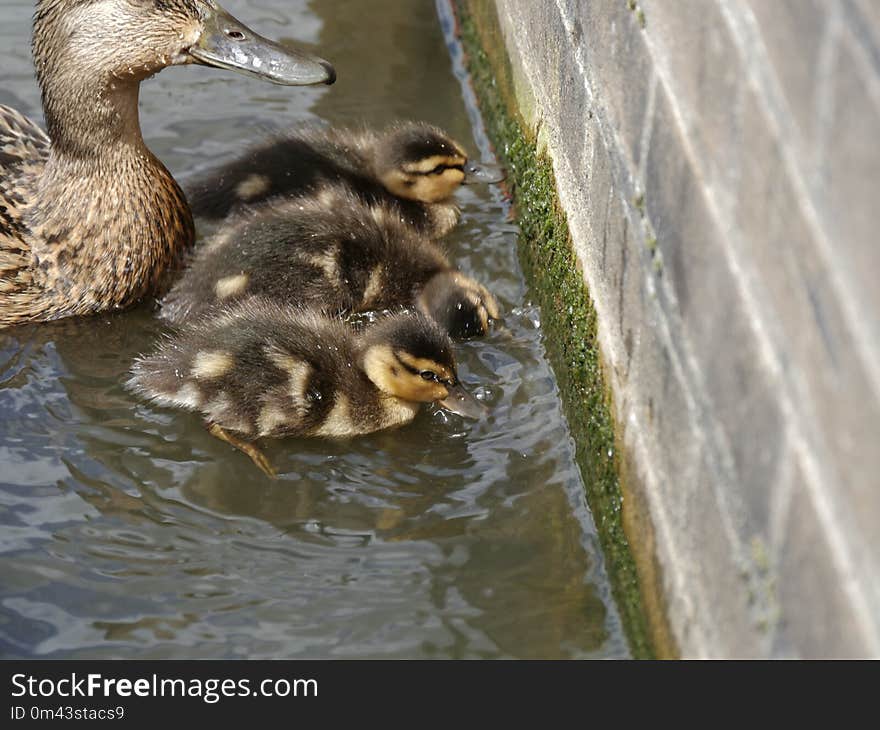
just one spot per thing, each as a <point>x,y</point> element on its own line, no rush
<point>227,43</point>
<point>475,174</point>
<point>463,403</point>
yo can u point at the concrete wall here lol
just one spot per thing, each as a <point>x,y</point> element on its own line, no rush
<point>719,162</point>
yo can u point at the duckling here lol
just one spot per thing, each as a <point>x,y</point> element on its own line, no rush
<point>89,218</point>
<point>412,168</point>
<point>334,251</point>
<point>260,369</point>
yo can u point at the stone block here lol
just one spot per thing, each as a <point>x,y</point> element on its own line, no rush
<point>693,44</point>
<point>851,183</point>
<point>793,32</point>
<point>816,619</point>
<point>743,399</point>
<point>717,566</point>
<point>865,15</point>
<point>612,43</point>
<point>836,405</point>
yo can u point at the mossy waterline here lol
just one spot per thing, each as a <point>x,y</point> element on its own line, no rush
<point>568,317</point>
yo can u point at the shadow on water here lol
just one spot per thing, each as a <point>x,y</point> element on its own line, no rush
<point>126,530</point>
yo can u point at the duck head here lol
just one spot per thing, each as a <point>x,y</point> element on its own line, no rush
<point>134,39</point>
<point>462,307</point>
<point>409,357</point>
<point>419,162</point>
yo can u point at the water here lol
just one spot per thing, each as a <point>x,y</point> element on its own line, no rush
<point>128,531</point>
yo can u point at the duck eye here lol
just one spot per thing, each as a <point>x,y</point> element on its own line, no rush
<point>439,169</point>
<point>428,375</point>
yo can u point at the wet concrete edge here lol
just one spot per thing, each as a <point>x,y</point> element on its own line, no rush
<point>570,333</point>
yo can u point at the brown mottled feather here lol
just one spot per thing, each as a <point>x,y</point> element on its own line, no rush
<point>90,220</point>
<point>24,148</point>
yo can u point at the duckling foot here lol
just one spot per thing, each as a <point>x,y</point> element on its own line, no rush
<point>256,456</point>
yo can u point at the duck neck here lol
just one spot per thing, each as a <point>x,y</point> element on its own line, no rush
<point>90,117</point>
<point>110,218</point>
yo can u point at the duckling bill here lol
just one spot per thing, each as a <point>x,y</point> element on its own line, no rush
<point>259,369</point>
<point>335,252</point>
<point>90,220</point>
<point>411,168</point>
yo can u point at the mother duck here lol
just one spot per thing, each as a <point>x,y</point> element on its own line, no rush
<point>90,219</point>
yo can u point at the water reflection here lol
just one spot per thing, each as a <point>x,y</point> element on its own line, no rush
<point>129,531</point>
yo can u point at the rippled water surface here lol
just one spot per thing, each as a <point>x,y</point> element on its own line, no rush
<point>127,531</point>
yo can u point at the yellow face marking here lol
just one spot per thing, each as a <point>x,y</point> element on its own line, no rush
<point>212,364</point>
<point>374,286</point>
<point>422,363</point>
<point>338,422</point>
<point>253,187</point>
<point>430,163</point>
<point>398,183</point>
<point>231,286</point>
<point>412,388</point>
<point>415,181</point>
<point>436,188</point>
<point>393,379</point>
<point>378,360</point>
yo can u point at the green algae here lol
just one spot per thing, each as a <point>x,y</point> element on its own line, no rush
<point>638,12</point>
<point>568,317</point>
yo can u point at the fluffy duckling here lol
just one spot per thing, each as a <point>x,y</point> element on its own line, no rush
<point>412,168</point>
<point>260,369</point>
<point>90,220</point>
<point>335,252</point>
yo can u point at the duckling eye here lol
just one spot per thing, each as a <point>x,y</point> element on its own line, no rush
<point>428,375</point>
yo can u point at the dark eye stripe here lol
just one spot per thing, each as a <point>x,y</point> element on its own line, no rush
<point>436,377</point>
<point>441,169</point>
<point>409,368</point>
